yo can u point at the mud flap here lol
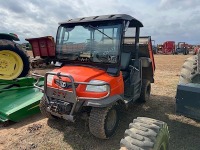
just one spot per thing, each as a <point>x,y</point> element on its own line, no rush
<point>188,100</point>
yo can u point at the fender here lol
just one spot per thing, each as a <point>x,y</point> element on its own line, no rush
<point>9,36</point>
<point>104,102</point>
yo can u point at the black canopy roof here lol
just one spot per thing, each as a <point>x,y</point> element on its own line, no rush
<point>133,22</point>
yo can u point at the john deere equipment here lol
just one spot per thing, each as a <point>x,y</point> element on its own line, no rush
<point>14,62</point>
<point>19,98</point>
<point>188,90</point>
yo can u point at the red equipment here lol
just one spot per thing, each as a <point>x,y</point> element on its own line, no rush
<point>43,47</point>
<point>168,47</point>
<point>196,49</point>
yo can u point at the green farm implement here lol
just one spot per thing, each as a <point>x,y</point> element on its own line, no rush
<point>19,98</point>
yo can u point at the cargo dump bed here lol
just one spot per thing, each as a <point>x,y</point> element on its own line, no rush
<point>43,49</point>
<point>19,99</point>
<point>145,50</point>
<point>43,46</point>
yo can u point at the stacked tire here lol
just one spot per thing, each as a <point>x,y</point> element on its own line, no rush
<point>189,72</point>
<point>146,134</point>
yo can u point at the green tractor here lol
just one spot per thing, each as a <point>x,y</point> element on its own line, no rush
<point>19,97</point>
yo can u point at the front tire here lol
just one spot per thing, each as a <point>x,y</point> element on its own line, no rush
<point>146,133</point>
<point>103,122</point>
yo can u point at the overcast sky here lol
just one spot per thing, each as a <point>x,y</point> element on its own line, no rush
<point>177,20</point>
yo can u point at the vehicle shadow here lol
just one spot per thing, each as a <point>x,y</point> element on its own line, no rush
<point>184,135</point>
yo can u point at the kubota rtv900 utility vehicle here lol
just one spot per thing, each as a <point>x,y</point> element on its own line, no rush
<point>101,70</point>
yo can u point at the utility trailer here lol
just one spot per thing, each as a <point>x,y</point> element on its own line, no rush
<point>43,49</point>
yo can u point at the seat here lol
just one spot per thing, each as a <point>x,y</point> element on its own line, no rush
<point>125,59</point>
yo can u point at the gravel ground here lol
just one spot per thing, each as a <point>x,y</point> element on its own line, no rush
<point>40,133</point>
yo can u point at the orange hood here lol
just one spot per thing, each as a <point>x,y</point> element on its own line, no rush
<point>80,73</point>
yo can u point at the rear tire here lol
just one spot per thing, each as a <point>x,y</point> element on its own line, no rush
<point>22,55</point>
<point>103,122</point>
<point>146,133</point>
<point>43,107</point>
<point>145,91</point>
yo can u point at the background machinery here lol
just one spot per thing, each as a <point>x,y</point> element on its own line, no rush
<point>154,47</point>
<point>168,47</point>
<point>182,47</point>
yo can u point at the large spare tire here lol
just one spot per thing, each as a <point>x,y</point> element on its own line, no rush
<point>189,72</point>
<point>146,134</point>
<point>14,62</point>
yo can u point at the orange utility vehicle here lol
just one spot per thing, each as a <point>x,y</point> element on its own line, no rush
<point>101,70</point>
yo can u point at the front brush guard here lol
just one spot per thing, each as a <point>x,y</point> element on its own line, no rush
<point>65,95</point>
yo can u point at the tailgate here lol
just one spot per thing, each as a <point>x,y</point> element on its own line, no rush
<point>43,46</point>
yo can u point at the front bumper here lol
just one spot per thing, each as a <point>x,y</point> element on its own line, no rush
<point>59,98</point>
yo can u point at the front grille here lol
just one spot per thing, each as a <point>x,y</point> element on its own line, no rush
<point>66,85</point>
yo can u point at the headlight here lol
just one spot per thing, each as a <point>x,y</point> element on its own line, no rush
<point>50,79</point>
<point>95,88</point>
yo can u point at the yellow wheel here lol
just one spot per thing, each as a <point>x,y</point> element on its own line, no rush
<point>14,63</point>
<point>11,65</point>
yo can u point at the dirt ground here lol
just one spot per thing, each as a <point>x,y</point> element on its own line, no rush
<point>38,132</point>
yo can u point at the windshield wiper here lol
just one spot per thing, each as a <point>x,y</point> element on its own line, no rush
<point>100,31</point>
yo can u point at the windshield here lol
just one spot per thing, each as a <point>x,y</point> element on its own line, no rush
<point>89,43</point>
